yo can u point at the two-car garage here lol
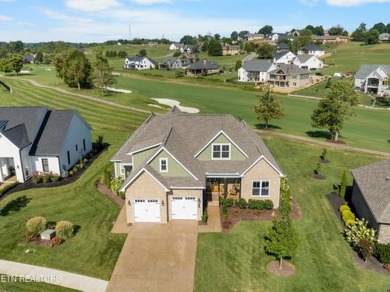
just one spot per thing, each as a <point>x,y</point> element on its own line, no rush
<point>181,207</point>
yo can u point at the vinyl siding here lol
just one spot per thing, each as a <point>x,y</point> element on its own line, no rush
<point>235,153</point>
<point>174,168</point>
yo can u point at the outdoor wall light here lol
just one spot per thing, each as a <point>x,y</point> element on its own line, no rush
<point>163,203</point>
<point>198,202</point>
<point>129,202</point>
<point>17,166</point>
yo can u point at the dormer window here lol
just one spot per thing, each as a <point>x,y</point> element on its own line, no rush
<point>163,165</point>
<point>221,151</point>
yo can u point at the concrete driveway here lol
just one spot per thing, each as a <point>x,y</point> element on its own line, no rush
<point>157,257</point>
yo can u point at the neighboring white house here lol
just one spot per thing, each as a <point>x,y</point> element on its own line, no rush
<point>308,62</point>
<point>373,79</point>
<point>254,36</point>
<point>275,37</point>
<point>255,71</point>
<point>311,50</point>
<point>139,63</point>
<point>175,46</point>
<point>284,57</point>
<point>39,139</point>
<point>384,37</point>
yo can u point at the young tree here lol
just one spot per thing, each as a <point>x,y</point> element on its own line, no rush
<point>337,106</point>
<point>265,51</point>
<point>285,207</point>
<point>214,48</point>
<point>238,64</point>
<point>142,52</point>
<point>39,57</point>
<point>78,69</point>
<point>16,62</point>
<point>318,30</point>
<point>268,107</point>
<point>59,65</point>
<point>371,37</point>
<point>281,240</point>
<point>102,71</point>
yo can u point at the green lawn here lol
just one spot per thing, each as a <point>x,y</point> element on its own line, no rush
<point>94,250</point>
<point>236,261</point>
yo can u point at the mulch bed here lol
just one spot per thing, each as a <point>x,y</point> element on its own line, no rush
<point>286,270</point>
<point>104,190</point>
<point>64,181</point>
<point>372,264</point>
<point>236,215</point>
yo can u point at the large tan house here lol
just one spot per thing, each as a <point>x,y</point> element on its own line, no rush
<point>289,76</point>
<point>174,164</point>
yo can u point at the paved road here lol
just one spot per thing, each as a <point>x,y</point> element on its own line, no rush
<point>327,144</point>
<point>249,57</point>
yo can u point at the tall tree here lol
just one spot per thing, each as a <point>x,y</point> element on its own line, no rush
<point>78,69</point>
<point>266,29</point>
<point>358,34</point>
<point>371,37</point>
<point>214,47</point>
<point>380,27</point>
<point>318,30</point>
<point>16,62</point>
<point>265,51</point>
<point>338,30</point>
<point>281,240</point>
<point>310,27</point>
<point>16,47</point>
<point>234,35</point>
<point>188,40</point>
<point>59,65</point>
<point>39,57</point>
<point>102,75</point>
<point>243,33</point>
<point>268,107</point>
<point>333,110</point>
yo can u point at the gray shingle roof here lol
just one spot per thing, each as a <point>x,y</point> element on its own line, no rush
<point>374,183</point>
<point>257,65</point>
<point>184,135</point>
<point>140,58</point>
<point>304,58</point>
<point>366,69</point>
<point>204,64</point>
<point>289,69</point>
<point>53,133</point>
<point>312,48</point>
<point>280,54</point>
<point>31,117</point>
<point>18,136</point>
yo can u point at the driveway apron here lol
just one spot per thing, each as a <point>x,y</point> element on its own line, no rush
<point>157,257</point>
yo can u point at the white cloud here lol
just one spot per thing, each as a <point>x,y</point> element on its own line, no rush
<point>5,18</point>
<point>59,16</point>
<point>347,3</point>
<point>91,5</point>
<point>150,2</point>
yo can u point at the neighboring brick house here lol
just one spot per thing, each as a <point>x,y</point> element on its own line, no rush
<point>228,49</point>
<point>331,39</point>
<point>371,196</point>
<point>289,76</point>
<point>174,164</point>
<point>373,78</point>
<point>202,68</point>
<point>255,71</point>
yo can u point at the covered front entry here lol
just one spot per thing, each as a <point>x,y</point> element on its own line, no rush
<point>7,168</point>
<point>184,208</point>
<point>223,186</point>
<point>146,210</point>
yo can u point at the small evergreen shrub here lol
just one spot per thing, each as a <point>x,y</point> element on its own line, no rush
<point>268,204</point>
<point>347,215</point>
<point>55,241</point>
<point>383,253</point>
<point>343,208</point>
<point>350,223</point>
<point>205,216</point>
<point>55,178</point>
<point>7,188</point>
<point>64,229</point>
<point>242,203</point>
<point>36,225</point>
<point>343,184</point>
<point>36,178</point>
<point>256,204</point>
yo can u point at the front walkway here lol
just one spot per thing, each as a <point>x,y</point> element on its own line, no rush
<point>51,276</point>
<point>157,257</point>
<point>214,221</point>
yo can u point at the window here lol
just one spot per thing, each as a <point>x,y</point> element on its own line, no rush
<point>45,165</point>
<point>260,188</point>
<point>163,165</point>
<point>84,144</point>
<point>126,170</point>
<point>221,151</point>
<point>68,154</point>
<point>77,147</point>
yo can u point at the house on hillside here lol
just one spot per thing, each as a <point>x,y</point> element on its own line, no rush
<point>311,50</point>
<point>282,47</point>
<point>228,49</point>
<point>174,63</point>
<point>174,164</point>
<point>37,139</point>
<point>308,62</point>
<point>28,59</point>
<point>330,39</point>
<point>202,68</point>
<point>139,63</point>
<point>373,79</point>
<point>371,197</point>
<point>384,37</point>
<point>276,37</point>
<point>284,57</point>
<point>287,76</point>
<point>255,71</point>
<point>254,36</point>
<point>175,46</point>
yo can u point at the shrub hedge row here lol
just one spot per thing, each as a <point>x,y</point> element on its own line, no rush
<point>8,188</point>
<point>244,204</point>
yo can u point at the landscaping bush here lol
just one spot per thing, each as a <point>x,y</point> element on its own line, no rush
<point>56,241</point>
<point>256,204</point>
<point>226,203</point>
<point>347,215</point>
<point>64,229</point>
<point>36,178</point>
<point>268,204</point>
<point>7,188</point>
<point>55,178</point>
<point>36,225</point>
<point>45,178</point>
<point>383,253</point>
<point>122,195</point>
<point>242,203</point>
<point>350,223</point>
<point>205,216</point>
<point>107,177</point>
<point>343,208</point>
<point>116,183</point>
<point>361,237</point>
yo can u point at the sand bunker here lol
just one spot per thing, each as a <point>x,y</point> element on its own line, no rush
<point>118,90</point>
<point>172,102</point>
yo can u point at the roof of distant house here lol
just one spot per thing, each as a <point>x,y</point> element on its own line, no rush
<point>289,69</point>
<point>312,48</point>
<point>281,54</point>
<point>374,183</point>
<point>140,58</point>
<point>257,65</point>
<point>204,64</point>
<point>367,69</point>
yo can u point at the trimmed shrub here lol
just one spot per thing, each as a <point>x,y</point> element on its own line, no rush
<point>36,225</point>
<point>55,241</point>
<point>226,203</point>
<point>268,204</point>
<point>55,178</point>
<point>343,208</point>
<point>122,195</point>
<point>347,215</point>
<point>7,188</point>
<point>64,229</point>
<point>242,203</point>
<point>350,223</point>
<point>205,216</point>
<point>255,204</point>
<point>45,178</point>
<point>383,253</point>
<point>36,178</point>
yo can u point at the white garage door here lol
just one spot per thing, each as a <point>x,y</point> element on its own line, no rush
<point>146,210</point>
<point>184,208</point>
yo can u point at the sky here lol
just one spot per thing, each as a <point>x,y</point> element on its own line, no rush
<point>102,20</point>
